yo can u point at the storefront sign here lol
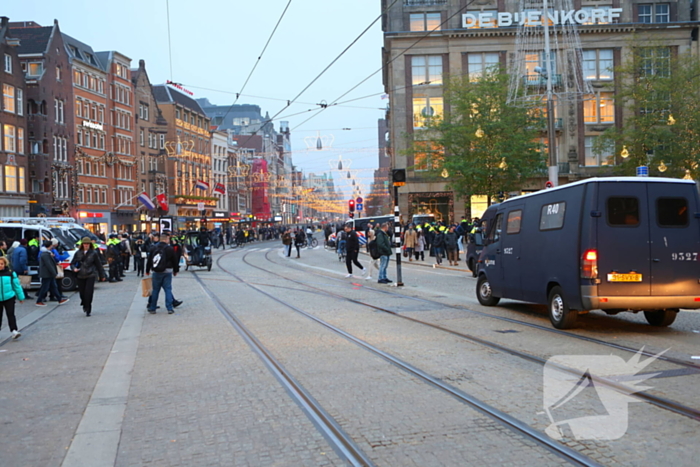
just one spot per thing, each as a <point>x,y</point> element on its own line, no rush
<point>93,125</point>
<point>278,218</point>
<point>83,214</point>
<point>534,18</point>
<point>220,215</point>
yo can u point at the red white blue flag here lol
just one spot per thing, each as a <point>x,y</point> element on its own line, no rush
<point>202,185</point>
<point>146,201</point>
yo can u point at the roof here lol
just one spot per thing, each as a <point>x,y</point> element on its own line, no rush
<point>82,52</point>
<point>168,95</point>
<point>32,40</point>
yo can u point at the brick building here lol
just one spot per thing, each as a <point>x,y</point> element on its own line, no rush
<point>13,123</point>
<point>50,121</point>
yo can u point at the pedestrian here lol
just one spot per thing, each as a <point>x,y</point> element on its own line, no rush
<point>163,261</point>
<point>373,263</point>
<point>384,247</point>
<point>20,262</point>
<point>409,241</point>
<point>126,251</point>
<point>438,245</point>
<point>452,246</point>
<point>47,274</point>
<point>113,258</point>
<point>352,248</point>
<point>10,292</point>
<point>420,245</point>
<point>287,242</point>
<point>299,241</point>
<point>15,244</point>
<point>140,255</point>
<point>88,268</point>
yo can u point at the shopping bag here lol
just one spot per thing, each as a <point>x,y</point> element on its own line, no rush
<point>146,287</point>
<point>59,272</point>
<point>25,281</point>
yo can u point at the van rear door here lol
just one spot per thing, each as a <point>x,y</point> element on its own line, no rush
<point>511,253</point>
<point>624,264</point>
<point>675,239</point>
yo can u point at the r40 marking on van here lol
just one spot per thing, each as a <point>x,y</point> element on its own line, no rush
<point>507,251</point>
<point>684,256</point>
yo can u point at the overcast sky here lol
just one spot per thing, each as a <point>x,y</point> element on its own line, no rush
<point>215,44</point>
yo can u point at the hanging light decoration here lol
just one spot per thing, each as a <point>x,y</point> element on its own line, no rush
<point>662,167</point>
<point>687,175</point>
<point>503,165</point>
<point>625,153</point>
<point>479,133</point>
<point>671,120</point>
<point>445,173</point>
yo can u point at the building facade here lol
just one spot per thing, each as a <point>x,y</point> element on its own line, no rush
<point>468,38</point>
<point>50,123</point>
<point>13,122</point>
<point>219,162</point>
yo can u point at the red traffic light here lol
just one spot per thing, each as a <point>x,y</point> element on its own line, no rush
<point>351,205</point>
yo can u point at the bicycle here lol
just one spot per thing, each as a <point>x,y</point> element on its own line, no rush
<point>314,243</point>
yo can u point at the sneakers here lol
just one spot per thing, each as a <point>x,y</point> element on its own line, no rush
<point>348,276</point>
<point>63,300</point>
<point>40,304</point>
<point>153,312</point>
<point>177,303</point>
<point>170,312</point>
<point>16,334</point>
<point>368,278</point>
<point>365,272</point>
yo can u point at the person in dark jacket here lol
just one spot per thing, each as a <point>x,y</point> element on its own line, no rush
<point>88,267</point>
<point>438,245</point>
<point>10,292</point>
<point>114,252</point>
<point>452,246</point>
<point>352,249</point>
<point>384,247</point>
<point>140,254</point>
<point>20,261</point>
<point>163,261</point>
<point>299,241</point>
<point>47,274</point>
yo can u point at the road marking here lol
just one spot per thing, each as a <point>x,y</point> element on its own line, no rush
<point>96,441</point>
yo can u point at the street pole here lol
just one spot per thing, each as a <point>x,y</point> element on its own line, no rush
<point>551,130</point>
<point>397,236</point>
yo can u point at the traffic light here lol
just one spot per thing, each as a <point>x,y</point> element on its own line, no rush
<point>351,205</point>
<point>351,215</point>
<point>398,176</point>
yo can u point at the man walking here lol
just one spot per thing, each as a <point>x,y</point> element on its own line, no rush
<point>384,247</point>
<point>163,261</point>
<point>47,273</point>
<point>352,248</point>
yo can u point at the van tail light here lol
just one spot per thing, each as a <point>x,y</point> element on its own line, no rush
<point>589,265</point>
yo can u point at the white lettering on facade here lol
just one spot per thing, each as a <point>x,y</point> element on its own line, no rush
<point>534,18</point>
<point>94,126</point>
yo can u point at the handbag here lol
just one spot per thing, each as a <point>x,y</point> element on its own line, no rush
<point>59,272</point>
<point>25,281</point>
<point>146,286</point>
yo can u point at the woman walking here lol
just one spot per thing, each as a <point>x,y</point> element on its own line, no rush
<point>451,246</point>
<point>420,246</point>
<point>10,291</point>
<point>409,241</point>
<point>438,246</point>
<point>86,263</point>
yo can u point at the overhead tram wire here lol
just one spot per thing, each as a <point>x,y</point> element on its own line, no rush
<point>437,28</point>
<point>290,102</point>
<point>170,49</point>
<point>257,62</point>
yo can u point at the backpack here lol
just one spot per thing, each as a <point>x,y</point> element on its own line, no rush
<point>159,259</point>
<point>373,249</point>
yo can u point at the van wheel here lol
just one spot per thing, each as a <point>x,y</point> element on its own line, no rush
<point>661,318</point>
<point>472,267</point>
<point>559,313</point>
<point>69,282</point>
<point>484,292</point>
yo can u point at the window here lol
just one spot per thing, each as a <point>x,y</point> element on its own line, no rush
<point>9,138</point>
<point>623,211</point>
<point>20,101</point>
<point>478,63</point>
<point>8,63</point>
<point>11,178</point>
<point>8,98</point>
<point>655,61</point>
<point>654,13</point>
<point>162,141</point>
<point>552,216</point>
<point>495,233</point>
<point>599,108</point>
<point>672,212</point>
<point>427,156</point>
<point>425,108</point>
<point>20,140</point>
<point>77,78</point>
<point>142,138</point>
<point>21,181</point>
<point>79,139</point>
<point>35,69</point>
<point>592,159</point>
<point>58,73</point>
<point>426,69</point>
<point>58,110</point>
<point>425,21</point>
<point>177,113</point>
<point>513,222</point>
<point>598,64</point>
<point>88,168</point>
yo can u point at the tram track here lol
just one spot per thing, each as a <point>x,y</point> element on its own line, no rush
<point>330,428</point>
<point>661,402</point>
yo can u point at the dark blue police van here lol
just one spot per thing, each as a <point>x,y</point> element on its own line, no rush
<point>614,244</point>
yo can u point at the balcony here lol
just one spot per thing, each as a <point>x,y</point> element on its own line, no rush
<point>539,81</point>
<point>423,2</point>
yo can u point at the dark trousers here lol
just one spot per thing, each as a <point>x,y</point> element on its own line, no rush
<point>9,307</point>
<point>48,284</point>
<point>113,270</point>
<point>86,288</point>
<point>139,264</point>
<point>352,258</point>
<point>125,261</point>
<point>120,266</point>
<point>421,254</point>
<point>298,250</point>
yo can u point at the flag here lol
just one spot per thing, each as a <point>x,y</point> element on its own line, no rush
<point>162,201</point>
<point>202,185</point>
<point>146,201</point>
<point>220,188</point>
<point>361,237</point>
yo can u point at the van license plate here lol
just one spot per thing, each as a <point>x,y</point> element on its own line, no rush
<point>624,278</point>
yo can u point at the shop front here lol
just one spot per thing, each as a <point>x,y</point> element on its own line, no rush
<point>97,222</point>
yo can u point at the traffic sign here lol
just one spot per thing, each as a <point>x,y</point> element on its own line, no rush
<point>358,206</point>
<point>359,200</point>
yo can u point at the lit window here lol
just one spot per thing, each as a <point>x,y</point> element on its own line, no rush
<point>425,21</point>
<point>8,97</point>
<point>425,108</point>
<point>427,156</point>
<point>426,69</point>
<point>21,181</point>
<point>35,69</point>
<point>598,64</point>
<point>9,138</point>
<point>11,178</point>
<point>604,156</point>
<point>599,108</point>
<point>478,63</point>
<point>20,140</point>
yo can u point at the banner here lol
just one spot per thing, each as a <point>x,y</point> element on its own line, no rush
<point>162,201</point>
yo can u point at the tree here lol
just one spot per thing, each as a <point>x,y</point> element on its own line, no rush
<point>483,145</point>
<point>660,97</point>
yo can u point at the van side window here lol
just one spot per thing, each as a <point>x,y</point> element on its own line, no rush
<point>513,223</point>
<point>672,212</point>
<point>623,211</point>
<point>495,233</point>
<point>552,216</point>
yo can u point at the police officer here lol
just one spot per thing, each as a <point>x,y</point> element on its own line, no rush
<point>114,257</point>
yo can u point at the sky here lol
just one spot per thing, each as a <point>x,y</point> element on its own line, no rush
<point>216,43</point>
